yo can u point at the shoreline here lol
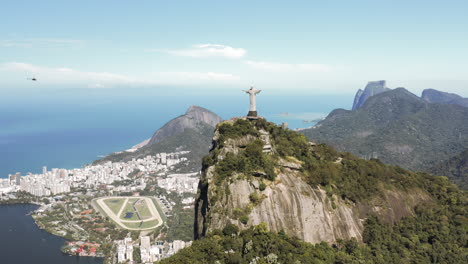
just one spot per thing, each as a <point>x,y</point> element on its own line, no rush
<point>39,226</point>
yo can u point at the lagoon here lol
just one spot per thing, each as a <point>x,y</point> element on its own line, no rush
<point>21,241</point>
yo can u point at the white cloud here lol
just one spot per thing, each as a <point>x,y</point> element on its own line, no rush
<point>195,76</point>
<point>208,50</point>
<point>63,75</point>
<point>96,85</point>
<point>288,67</point>
<point>56,40</point>
<point>11,44</point>
<point>39,42</point>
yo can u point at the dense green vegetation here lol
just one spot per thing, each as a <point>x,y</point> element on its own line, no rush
<point>455,168</point>
<point>400,129</point>
<point>239,129</point>
<point>431,237</point>
<point>181,226</point>
<point>21,198</point>
<point>436,234</point>
<point>351,178</point>
<point>250,161</point>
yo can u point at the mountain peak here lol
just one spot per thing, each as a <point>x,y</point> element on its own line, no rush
<point>196,108</point>
<point>435,96</point>
<point>203,115</point>
<point>192,119</point>
<point>372,88</point>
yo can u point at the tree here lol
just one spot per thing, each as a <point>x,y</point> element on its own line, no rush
<point>230,230</point>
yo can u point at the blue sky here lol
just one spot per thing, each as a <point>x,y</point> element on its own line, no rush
<point>322,47</point>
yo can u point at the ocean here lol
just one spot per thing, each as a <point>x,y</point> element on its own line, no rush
<point>69,129</point>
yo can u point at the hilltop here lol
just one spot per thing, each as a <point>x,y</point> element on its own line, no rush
<point>434,96</point>
<point>265,191</point>
<point>399,128</point>
<point>194,117</point>
<point>191,131</point>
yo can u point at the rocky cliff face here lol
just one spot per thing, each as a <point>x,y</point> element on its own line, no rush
<point>288,202</point>
<point>190,120</point>
<point>371,89</point>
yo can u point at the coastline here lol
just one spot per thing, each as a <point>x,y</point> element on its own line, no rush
<point>20,230</point>
<point>63,249</point>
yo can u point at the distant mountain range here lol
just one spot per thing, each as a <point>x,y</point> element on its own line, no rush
<point>428,95</point>
<point>191,131</point>
<point>399,128</point>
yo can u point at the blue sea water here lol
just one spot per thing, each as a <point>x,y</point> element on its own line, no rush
<point>69,129</point>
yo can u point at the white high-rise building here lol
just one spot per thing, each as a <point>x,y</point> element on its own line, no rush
<point>145,247</point>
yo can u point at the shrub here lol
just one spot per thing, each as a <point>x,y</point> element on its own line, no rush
<point>244,219</point>
<point>230,229</point>
<point>239,129</point>
<point>254,198</point>
<point>262,186</point>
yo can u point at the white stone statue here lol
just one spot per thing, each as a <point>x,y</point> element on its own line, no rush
<point>253,108</point>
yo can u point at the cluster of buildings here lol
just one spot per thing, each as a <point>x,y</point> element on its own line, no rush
<point>188,202</point>
<point>61,180</point>
<point>124,250</point>
<point>10,184</point>
<point>180,183</point>
<point>81,248</point>
<point>149,253</point>
<point>48,183</point>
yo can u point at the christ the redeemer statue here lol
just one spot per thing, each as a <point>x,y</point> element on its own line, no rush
<point>253,108</point>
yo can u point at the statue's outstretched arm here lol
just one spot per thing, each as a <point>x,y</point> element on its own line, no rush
<point>258,91</point>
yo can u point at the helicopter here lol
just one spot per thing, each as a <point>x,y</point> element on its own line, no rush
<point>32,79</point>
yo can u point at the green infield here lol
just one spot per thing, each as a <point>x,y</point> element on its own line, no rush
<point>129,212</point>
<point>143,209</point>
<point>115,204</point>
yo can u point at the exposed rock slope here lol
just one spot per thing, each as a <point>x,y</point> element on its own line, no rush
<point>308,191</point>
<point>194,116</point>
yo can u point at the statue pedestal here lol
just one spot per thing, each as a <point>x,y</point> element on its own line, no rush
<point>252,114</point>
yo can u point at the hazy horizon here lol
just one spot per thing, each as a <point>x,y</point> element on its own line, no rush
<point>306,46</point>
